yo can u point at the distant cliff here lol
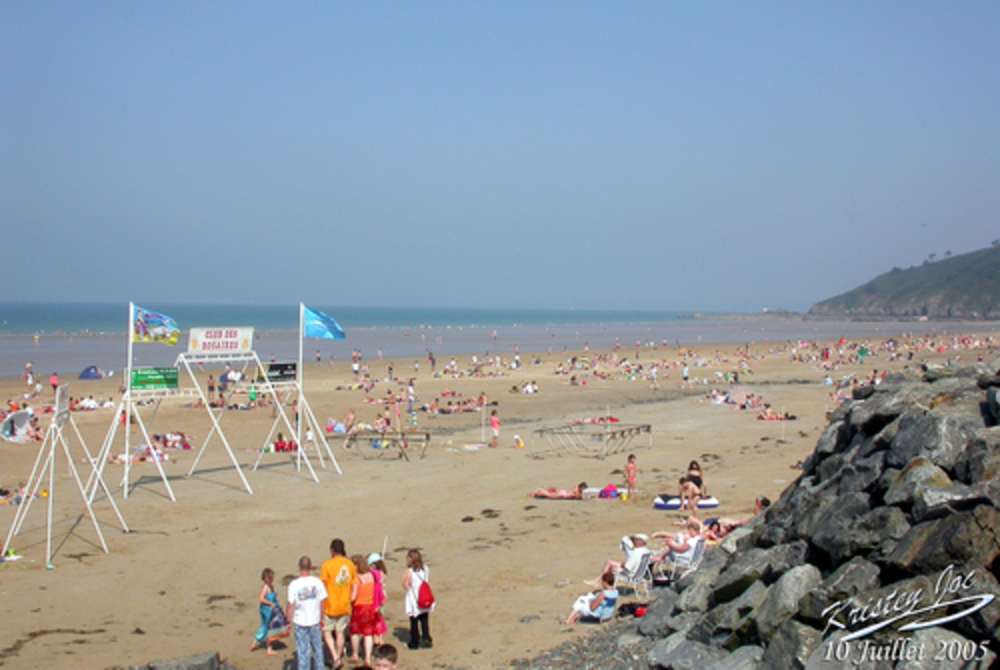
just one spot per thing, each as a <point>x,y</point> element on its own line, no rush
<point>959,287</point>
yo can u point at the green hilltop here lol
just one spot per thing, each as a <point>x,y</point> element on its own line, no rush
<point>958,287</point>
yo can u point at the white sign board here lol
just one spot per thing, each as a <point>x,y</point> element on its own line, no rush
<point>220,340</point>
<point>62,404</point>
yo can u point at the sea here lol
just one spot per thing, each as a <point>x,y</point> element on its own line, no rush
<point>66,338</point>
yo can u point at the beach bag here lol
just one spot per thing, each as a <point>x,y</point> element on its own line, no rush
<point>425,598</point>
<point>609,491</point>
<point>277,627</point>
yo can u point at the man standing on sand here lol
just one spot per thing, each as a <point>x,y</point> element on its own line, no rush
<point>338,575</point>
<point>305,605</point>
<point>495,428</point>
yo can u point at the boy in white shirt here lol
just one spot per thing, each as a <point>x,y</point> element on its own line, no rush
<point>305,607</point>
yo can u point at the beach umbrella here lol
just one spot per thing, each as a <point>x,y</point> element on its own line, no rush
<point>739,394</point>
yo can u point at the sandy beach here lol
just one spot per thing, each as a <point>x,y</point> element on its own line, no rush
<point>505,567</point>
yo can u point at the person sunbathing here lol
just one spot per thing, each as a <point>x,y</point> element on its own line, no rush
<point>713,530</point>
<point>553,494</point>
<point>767,414</point>
<point>34,430</point>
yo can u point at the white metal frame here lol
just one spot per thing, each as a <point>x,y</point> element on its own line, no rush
<point>45,463</point>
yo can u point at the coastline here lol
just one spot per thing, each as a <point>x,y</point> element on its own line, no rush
<point>68,353</point>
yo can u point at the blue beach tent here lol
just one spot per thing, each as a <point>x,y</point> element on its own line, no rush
<point>91,373</point>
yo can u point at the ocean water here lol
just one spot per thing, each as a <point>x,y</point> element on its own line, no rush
<point>66,338</point>
<point>76,318</point>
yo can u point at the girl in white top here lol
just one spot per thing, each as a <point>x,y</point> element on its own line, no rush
<point>415,575</point>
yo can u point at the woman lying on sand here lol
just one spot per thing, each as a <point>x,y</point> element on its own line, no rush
<point>553,494</point>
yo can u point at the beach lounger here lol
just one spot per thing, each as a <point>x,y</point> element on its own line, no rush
<point>674,567</point>
<point>643,577</point>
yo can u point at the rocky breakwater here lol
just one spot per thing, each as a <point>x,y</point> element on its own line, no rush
<point>881,555</point>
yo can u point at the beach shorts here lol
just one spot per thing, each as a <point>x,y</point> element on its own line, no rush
<point>339,624</point>
<point>496,432</point>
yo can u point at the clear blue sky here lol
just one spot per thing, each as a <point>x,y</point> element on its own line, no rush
<point>663,155</point>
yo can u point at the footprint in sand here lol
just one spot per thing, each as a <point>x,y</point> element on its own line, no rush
<point>467,519</point>
<point>215,598</point>
<point>490,513</point>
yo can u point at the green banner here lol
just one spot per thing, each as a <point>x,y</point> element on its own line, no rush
<point>154,378</point>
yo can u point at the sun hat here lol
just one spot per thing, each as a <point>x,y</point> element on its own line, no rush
<point>374,558</point>
<point>643,537</point>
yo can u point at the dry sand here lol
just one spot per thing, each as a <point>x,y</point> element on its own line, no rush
<point>186,579</point>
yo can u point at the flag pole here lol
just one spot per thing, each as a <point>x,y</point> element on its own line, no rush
<point>298,382</point>
<point>127,400</point>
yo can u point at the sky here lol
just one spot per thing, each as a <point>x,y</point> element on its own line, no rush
<point>716,157</point>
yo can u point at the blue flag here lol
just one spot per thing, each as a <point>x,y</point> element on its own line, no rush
<point>318,324</point>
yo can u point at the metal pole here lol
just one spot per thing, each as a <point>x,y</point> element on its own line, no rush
<point>127,401</point>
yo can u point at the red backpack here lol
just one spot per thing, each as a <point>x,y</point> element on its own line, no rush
<point>425,598</point>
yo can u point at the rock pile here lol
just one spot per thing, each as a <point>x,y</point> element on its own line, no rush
<point>895,511</point>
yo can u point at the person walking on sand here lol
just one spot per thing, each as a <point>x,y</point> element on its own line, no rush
<point>305,606</point>
<point>495,429</point>
<point>364,615</point>
<point>338,575</point>
<point>268,602</point>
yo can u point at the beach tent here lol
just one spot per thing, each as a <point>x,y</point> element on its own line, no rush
<point>91,373</point>
<point>739,394</point>
<point>15,426</point>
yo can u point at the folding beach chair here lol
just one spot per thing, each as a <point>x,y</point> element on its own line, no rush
<point>642,577</point>
<point>674,567</point>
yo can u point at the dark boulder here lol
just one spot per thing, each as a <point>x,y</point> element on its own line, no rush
<point>860,474</point>
<point>933,503</point>
<point>937,437</point>
<point>756,565</point>
<point>659,612</point>
<point>688,655</point>
<point>964,538</point>
<point>831,530</point>
<point>856,577</point>
<point>790,648</point>
<point>919,473</point>
<point>981,459</point>
<point>782,600</point>
<point>744,658</point>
